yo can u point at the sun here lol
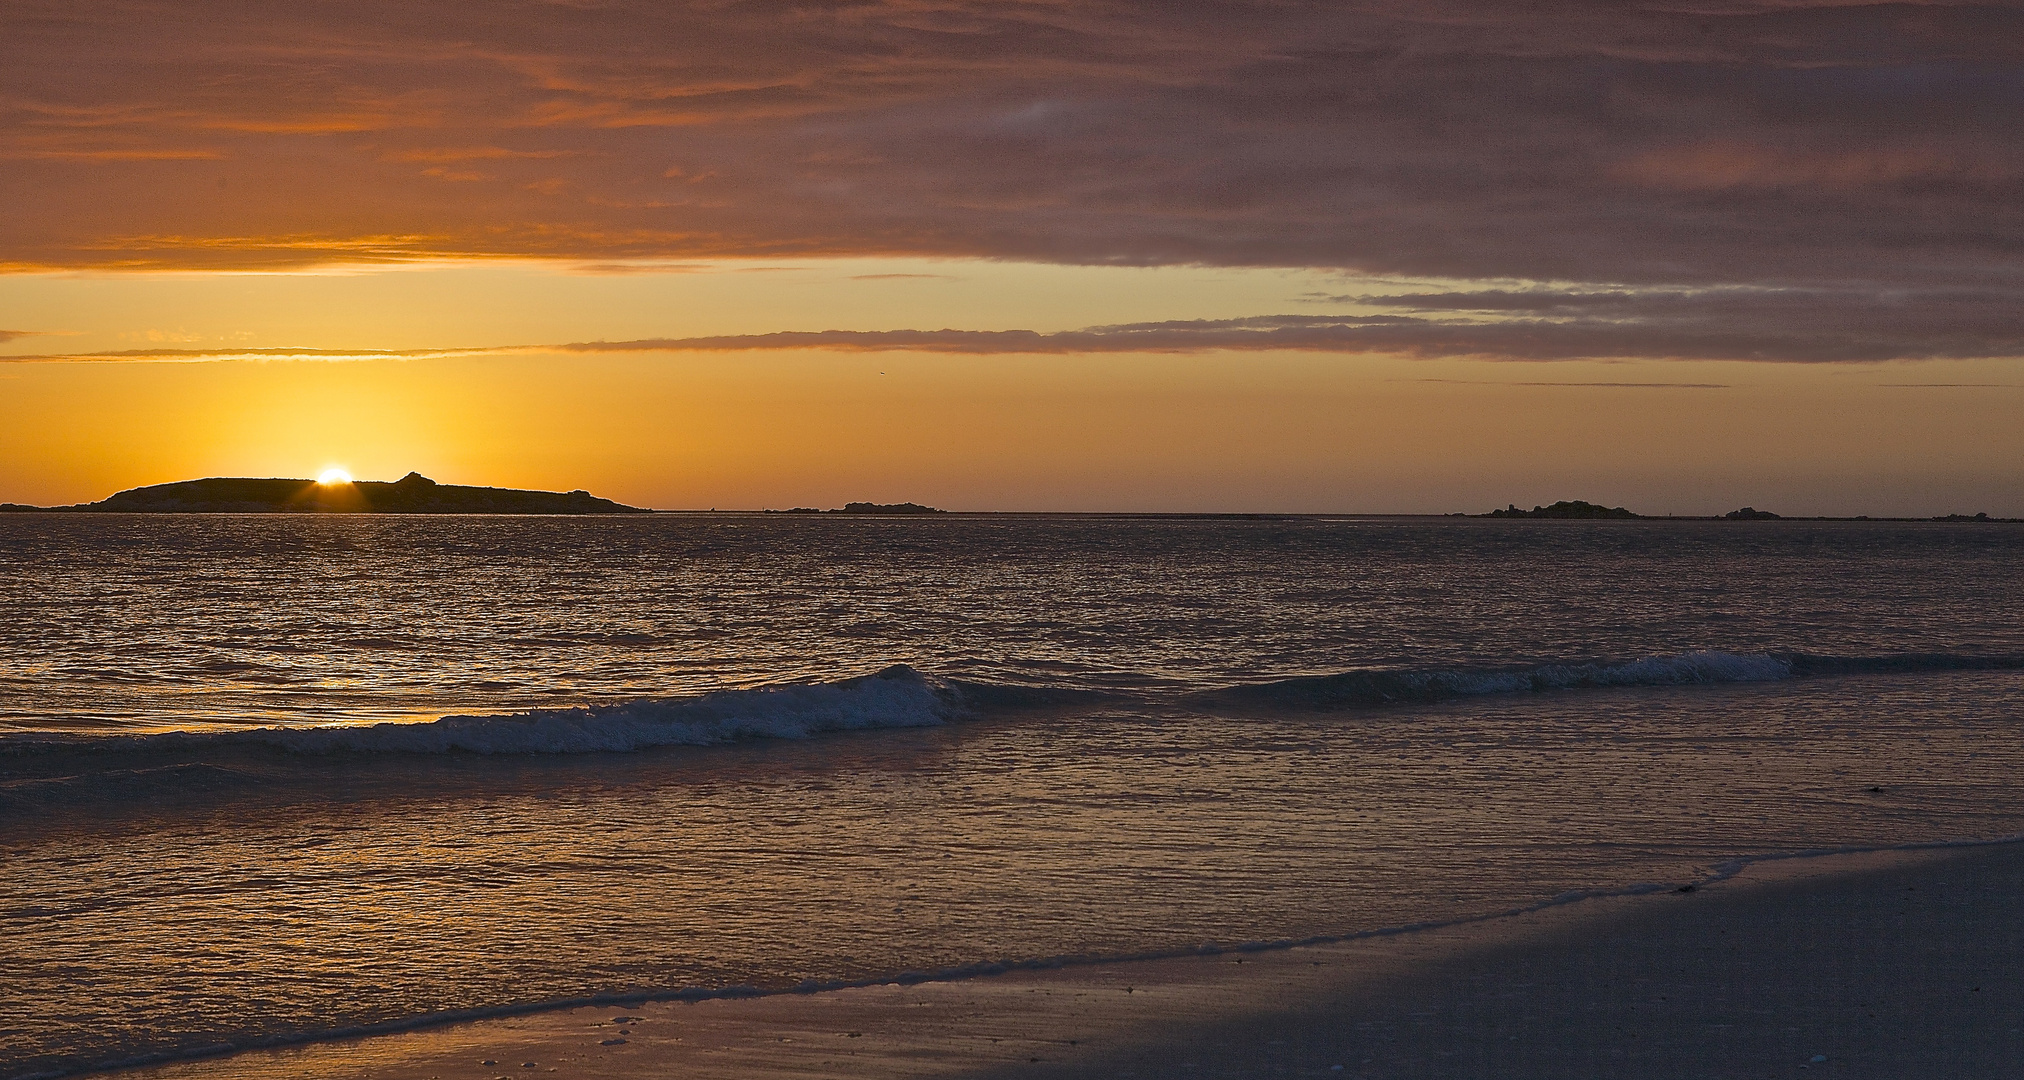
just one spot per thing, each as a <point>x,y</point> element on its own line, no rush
<point>333,477</point>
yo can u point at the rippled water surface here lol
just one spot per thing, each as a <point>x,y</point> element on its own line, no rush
<point>1110,737</point>
<point>142,622</point>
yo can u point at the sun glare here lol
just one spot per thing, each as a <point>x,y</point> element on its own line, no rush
<point>333,476</point>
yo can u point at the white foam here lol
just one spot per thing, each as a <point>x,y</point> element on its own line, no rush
<point>898,697</point>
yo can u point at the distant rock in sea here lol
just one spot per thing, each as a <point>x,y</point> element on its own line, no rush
<point>1750,513</point>
<point>1563,509</point>
<point>888,508</point>
<point>866,508</point>
<point>411,494</point>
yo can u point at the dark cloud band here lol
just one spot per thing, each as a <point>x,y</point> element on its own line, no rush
<point>1761,179</point>
<point>1571,140</point>
<point>1803,326</point>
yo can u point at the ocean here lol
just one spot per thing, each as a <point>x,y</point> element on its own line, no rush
<point>268,778</point>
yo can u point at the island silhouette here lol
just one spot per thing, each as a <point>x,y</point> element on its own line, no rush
<point>1575,508</point>
<point>866,508</point>
<point>411,494</point>
<point>417,494</point>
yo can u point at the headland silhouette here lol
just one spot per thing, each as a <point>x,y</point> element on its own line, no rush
<point>411,494</point>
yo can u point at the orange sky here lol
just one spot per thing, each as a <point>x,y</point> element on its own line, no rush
<point>1228,256</point>
<point>1268,430</point>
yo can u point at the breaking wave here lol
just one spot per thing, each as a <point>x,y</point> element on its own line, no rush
<point>896,697</point>
<point>44,773</point>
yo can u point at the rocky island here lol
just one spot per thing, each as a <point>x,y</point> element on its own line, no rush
<point>866,508</point>
<point>1564,509</point>
<point>411,494</point>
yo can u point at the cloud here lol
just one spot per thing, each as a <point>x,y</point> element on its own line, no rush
<point>445,155</point>
<point>1715,331</point>
<point>1851,322</point>
<point>1535,325</point>
<point>1786,159</point>
<point>225,355</point>
<point>13,335</point>
<point>1640,142</point>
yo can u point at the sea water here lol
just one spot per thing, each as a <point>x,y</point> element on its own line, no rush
<point>264,778</point>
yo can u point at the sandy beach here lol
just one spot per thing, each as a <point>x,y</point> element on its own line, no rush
<point>1890,964</point>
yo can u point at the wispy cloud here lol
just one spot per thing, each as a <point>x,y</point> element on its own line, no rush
<point>1700,338</point>
<point>1726,328</point>
<point>227,355</point>
<point>448,155</point>
<point>1857,321</point>
<point>81,154</point>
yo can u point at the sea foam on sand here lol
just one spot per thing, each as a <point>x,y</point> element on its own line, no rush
<point>1889,964</point>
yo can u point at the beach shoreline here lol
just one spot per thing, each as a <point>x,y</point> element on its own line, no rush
<point>1843,964</point>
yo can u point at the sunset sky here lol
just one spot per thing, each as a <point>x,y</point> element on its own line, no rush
<point>1039,255</point>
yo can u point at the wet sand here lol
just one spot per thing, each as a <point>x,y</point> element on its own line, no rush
<point>1892,965</point>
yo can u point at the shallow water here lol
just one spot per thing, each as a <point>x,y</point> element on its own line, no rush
<point>1109,742</point>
